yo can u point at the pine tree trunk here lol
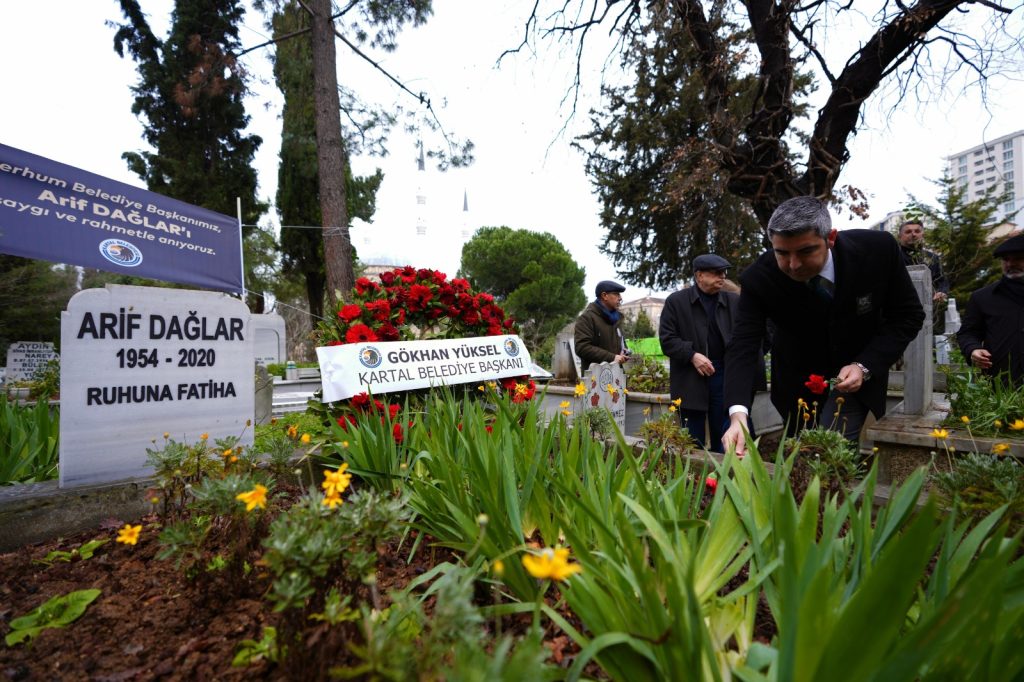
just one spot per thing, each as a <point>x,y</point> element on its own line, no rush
<point>330,155</point>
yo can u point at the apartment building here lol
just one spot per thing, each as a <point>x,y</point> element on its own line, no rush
<point>997,164</point>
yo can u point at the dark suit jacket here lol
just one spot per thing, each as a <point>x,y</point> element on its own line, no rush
<point>995,322</point>
<point>874,315</point>
<point>683,331</point>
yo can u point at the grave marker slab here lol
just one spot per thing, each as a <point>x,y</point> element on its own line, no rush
<point>605,383</point>
<point>142,361</point>
<point>25,358</point>
<point>268,333</point>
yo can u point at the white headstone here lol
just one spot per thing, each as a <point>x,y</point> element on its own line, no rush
<point>141,361</point>
<point>25,358</point>
<point>605,384</point>
<point>268,334</point>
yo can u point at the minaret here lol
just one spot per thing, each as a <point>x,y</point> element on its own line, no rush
<point>421,196</point>
<point>465,217</point>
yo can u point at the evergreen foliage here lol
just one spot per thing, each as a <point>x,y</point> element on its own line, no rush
<point>655,167</point>
<point>298,174</point>
<point>32,295</point>
<point>189,97</point>
<point>530,274</point>
<point>960,233</point>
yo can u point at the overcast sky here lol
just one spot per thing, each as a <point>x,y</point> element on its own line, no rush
<point>67,97</point>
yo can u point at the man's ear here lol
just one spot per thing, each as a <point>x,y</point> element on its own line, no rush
<point>831,239</point>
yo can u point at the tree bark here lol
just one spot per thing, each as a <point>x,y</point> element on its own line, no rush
<point>330,155</point>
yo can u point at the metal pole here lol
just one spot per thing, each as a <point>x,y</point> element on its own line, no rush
<point>241,251</point>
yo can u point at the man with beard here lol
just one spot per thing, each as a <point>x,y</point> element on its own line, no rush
<point>598,336</point>
<point>992,332</point>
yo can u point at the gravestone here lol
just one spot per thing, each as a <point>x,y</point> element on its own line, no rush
<point>564,363</point>
<point>141,361</point>
<point>605,384</point>
<point>25,358</point>
<point>268,338</point>
<point>264,395</point>
<point>918,362</point>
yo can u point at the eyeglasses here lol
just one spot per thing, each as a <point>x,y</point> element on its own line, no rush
<point>716,273</point>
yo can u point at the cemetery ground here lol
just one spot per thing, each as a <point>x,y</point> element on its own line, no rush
<point>479,540</point>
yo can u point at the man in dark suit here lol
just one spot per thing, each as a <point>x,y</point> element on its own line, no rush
<point>843,307</point>
<point>696,323</point>
<point>992,333</point>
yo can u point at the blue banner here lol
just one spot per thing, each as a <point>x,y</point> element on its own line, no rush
<point>58,213</point>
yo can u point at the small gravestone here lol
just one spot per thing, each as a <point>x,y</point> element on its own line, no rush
<point>264,395</point>
<point>268,334</point>
<point>26,358</point>
<point>605,385</point>
<point>563,361</point>
<point>141,361</point>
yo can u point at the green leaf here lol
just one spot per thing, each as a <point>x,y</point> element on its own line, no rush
<point>55,613</point>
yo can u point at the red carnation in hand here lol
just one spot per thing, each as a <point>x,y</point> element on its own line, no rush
<point>350,312</point>
<point>359,333</point>
<point>817,384</point>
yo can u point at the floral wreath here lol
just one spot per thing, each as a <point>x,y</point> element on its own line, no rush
<point>415,304</point>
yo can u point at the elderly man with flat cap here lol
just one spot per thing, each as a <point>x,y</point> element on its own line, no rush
<point>696,324</point>
<point>992,332</point>
<point>598,336</point>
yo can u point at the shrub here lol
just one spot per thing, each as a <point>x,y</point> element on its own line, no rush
<point>29,438</point>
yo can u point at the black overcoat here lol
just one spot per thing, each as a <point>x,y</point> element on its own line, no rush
<point>995,322</point>
<point>875,313</point>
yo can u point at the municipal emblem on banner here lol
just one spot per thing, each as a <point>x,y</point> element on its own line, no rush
<point>511,347</point>
<point>370,357</point>
<point>120,252</point>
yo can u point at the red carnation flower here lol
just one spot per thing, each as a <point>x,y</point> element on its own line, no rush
<point>509,384</point>
<point>408,274</point>
<point>401,316</point>
<point>387,278</point>
<point>346,419</point>
<point>350,312</point>
<point>360,333</point>
<point>364,285</point>
<point>471,317</point>
<point>380,310</point>
<point>419,296</point>
<point>425,275</point>
<point>485,297</point>
<point>393,411</point>
<point>388,332</point>
<point>396,432</point>
<point>495,330</point>
<point>509,323</point>
<point>711,483</point>
<point>460,284</point>
<point>360,401</point>
<point>816,384</point>
<point>438,277</point>
<point>446,295</point>
<point>434,313</point>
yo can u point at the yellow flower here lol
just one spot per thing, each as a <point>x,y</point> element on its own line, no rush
<point>257,497</point>
<point>941,434</point>
<point>522,389</point>
<point>293,431</point>
<point>480,387</point>
<point>625,391</point>
<point>580,390</point>
<point>273,420</point>
<point>1017,425</point>
<point>671,408</point>
<point>491,384</point>
<point>564,404</point>
<point>154,500</point>
<point>807,416</point>
<point>550,563</point>
<point>998,424</point>
<point>498,567</point>
<point>840,400</point>
<point>204,436</point>
<point>227,453</point>
<point>566,413</point>
<point>647,411</point>
<point>232,459</point>
<point>965,419</point>
<point>166,435</point>
<point>335,482</point>
<point>129,535</point>
<point>610,388</point>
<point>1000,448</point>
<point>344,443</point>
<point>332,501</point>
<point>305,439</point>
<point>677,402</point>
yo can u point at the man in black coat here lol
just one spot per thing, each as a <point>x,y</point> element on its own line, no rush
<point>843,308</point>
<point>696,324</point>
<point>992,332</point>
<point>912,249</point>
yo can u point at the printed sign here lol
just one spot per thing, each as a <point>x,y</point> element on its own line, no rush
<point>141,361</point>
<point>59,213</point>
<point>25,358</point>
<point>404,365</point>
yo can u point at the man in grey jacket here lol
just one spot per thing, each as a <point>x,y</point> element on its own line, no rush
<point>598,337</point>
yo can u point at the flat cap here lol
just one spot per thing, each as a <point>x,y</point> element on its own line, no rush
<point>1014,244</point>
<point>709,261</point>
<point>609,286</point>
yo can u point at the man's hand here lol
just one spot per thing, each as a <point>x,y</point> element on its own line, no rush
<point>702,364</point>
<point>850,379</point>
<point>620,358</point>
<point>938,297</point>
<point>736,434</point>
<point>981,358</point>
